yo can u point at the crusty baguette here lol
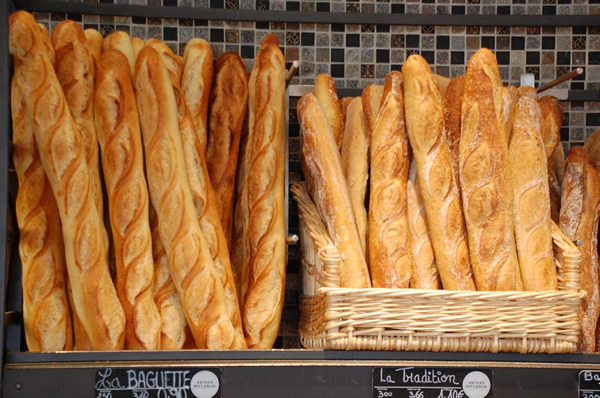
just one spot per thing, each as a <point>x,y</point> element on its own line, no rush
<point>442,83</point>
<point>204,199</point>
<point>226,122</point>
<point>137,44</point>
<point>63,157</point>
<point>47,43</point>
<point>174,327</point>
<point>452,106</point>
<point>326,94</point>
<point>509,100</point>
<point>196,82</point>
<point>579,216</point>
<point>556,168</point>
<point>346,101</point>
<point>263,278</point>
<point>46,312</point>
<point>485,179</point>
<point>173,62</point>
<point>425,126</point>
<point>121,41</point>
<point>557,161</point>
<point>552,119</point>
<point>529,169</point>
<point>371,96</point>
<point>189,257</point>
<point>355,163</point>
<point>389,261</point>
<point>424,272</point>
<point>592,145</point>
<point>323,160</point>
<point>120,141</point>
<point>95,42</point>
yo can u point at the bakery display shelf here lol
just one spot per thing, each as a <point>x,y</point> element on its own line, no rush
<point>306,17</point>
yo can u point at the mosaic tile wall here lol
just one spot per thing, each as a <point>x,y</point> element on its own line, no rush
<point>358,55</point>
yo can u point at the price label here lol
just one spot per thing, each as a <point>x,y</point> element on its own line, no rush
<point>418,382</point>
<point>589,384</point>
<point>158,383</point>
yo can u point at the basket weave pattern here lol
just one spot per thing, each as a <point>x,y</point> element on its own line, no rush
<point>338,318</point>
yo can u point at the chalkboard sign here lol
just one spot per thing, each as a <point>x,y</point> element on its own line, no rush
<point>158,383</point>
<point>589,384</point>
<point>418,382</point>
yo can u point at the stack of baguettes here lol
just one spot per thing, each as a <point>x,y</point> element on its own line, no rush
<point>155,131</point>
<point>464,176</point>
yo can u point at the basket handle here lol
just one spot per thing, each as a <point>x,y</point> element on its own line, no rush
<point>571,267</point>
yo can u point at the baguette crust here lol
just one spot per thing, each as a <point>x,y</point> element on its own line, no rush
<point>552,119</point>
<point>424,272</point>
<point>226,122</point>
<point>592,145</point>
<point>95,42</point>
<point>372,96</point>
<point>326,94</point>
<point>137,44</point>
<point>389,260</point>
<point>485,179</point>
<point>355,164</point>
<point>579,216</point>
<point>123,165</point>
<point>442,83</point>
<point>533,225</point>
<point>509,100</point>
<point>190,261</point>
<point>346,101</point>
<point>196,82</point>
<point>121,41</point>
<point>263,279</point>
<point>425,125</point>
<point>46,312</point>
<point>452,107</point>
<point>63,157</point>
<point>323,160</point>
<point>204,199</point>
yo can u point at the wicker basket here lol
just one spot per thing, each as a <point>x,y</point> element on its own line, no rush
<point>338,318</point>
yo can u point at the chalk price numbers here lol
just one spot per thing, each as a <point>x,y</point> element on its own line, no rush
<point>415,382</point>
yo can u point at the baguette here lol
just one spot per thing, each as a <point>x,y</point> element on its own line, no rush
<point>355,164</point>
<point>389,260</point>
<point>425,126</point>
<point>46,312</point>
<point>174,328</point>
<point>263,278</point>
<point>196,82</point>
<point>346,101</point>
<point>123,165</point>
<point>424,272</point>
<point>556,168</point>
<point>190,261</point>
<point>322,158</point>
<point>485,179</point>
<point>95,42</point>
<point>326,94</point>
<point>226,122</point>
<point>509,100</point>
<point>442,83</point>
<point>47,44</point>
<point>552,119</point>
<point>173,63</point>
<point>579,216</point>
<point>137,44</point>
<point>529,169</point>
<point>204,199</point>
<point>371,96</point>
<point>592,145</point>
<point>63,157</point>
<point>121,41</point>
<point>452,106</point>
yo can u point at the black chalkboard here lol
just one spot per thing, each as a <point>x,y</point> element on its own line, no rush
<point>420,382</point>
<point>156,382</point>
<point>589,384</point>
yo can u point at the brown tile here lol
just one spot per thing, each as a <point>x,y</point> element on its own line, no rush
<point>578,43</point>
<point>533,30</point>
<point>367,71</point>
<point>232,36</point>
<point>398,41</point>
<point>547,57</point>
<point>472,30</point>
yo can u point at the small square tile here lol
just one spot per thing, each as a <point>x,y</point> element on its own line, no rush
<point>367,71</point>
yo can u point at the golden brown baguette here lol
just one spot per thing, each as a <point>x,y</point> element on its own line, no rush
<point>173,62</point>
<point>137,44</point>
<point>452,106</point>
<point>592,145</point>
<point>326,94</point>
<point>190,261</point>
<point>322,158</point>
<point>95,42</point>
<point>196,82</point>
<point>485,179</point>
<point>47,43</point>
<point>579,216</point>
<point>355,164</point>
<point>346,101</point>
<point>557,161</point>
<point>46,312</point>
<point>263,278</point>
<point>173,323</point>
<point>121,41</point>
<point>389,261</point>
<point>424,272</point>
<point>123,165</point>
<point>226,121</point>
<point>442,83</point>
<point>529,169</point>
<point>552,119</point>
<point>204,199</point>
<point>425,126</point>
<point>63,157</point>
<point>556,168</point>
<point>509,100</point>
<point>371,96</point>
